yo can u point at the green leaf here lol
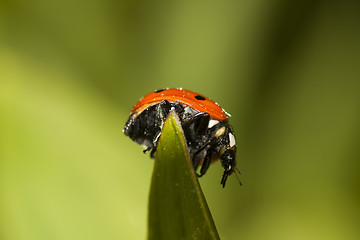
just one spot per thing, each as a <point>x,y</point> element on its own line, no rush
<point>177,206</point>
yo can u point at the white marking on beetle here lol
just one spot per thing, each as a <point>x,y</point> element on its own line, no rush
<point>219,132</point>
<point>212,123</point>
<point>232,140</point>
<point>189,110</point>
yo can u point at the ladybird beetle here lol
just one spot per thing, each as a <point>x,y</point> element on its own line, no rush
<point>207,131</point>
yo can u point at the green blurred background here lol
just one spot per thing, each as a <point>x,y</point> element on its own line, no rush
<point>287,71</point>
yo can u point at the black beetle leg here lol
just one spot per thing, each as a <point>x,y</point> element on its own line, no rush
<point>196,160</point>
<point>195,127</point>
<point>147,149</point>
<point>206,162</point>
<point>152,153</point>
<point>163,109</point>
<point>200,121</point>
<point>207,143</point>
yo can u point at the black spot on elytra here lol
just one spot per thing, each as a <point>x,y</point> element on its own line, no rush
<point>160,90</point>
<point>199,97</point>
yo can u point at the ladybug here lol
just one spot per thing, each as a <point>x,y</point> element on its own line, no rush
<point>207,131</point>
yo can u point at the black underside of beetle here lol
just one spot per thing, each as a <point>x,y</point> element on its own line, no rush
<point>203,143</point>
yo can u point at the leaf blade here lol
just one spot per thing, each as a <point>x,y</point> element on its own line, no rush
<point>177,206</point>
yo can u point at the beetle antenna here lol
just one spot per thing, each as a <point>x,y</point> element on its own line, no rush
<point>237,177</point>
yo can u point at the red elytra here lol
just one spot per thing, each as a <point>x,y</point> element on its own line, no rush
<point>190,98</point>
